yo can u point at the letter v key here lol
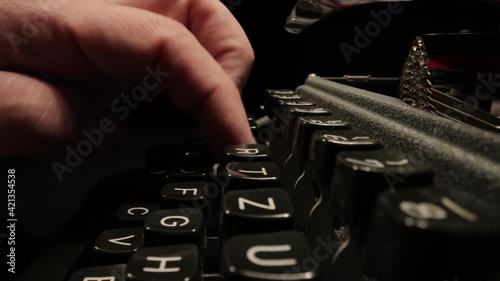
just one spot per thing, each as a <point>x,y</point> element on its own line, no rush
<point>119,240</point>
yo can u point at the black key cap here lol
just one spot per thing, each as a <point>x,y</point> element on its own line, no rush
<point>246,175</point>
<point>279,112</point>
<point>189,195</point>
<point>247,153</point>
<point>283,141</point>
<point>275,106</point>
<point>191,168</point>
<point>271,97</point>
<point>254,211</point>
<point>100,273</point>
<point>175,226</point>
<point>305,128</point>
<point>360,176</point>
<point>115,246</point>
<point>173,263</point>
<point>294,169</point>
<point>269,256</point>
<point>276,112</point>
<point>294,113</point>
<point>323,153</point>
<point>284,106</point>
<point>426,234</point>
<point>325,147</point>
<point>134,214</point>
<point>185,195</point>
<point>279,146</point>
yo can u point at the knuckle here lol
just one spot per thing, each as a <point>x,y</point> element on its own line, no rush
<point>247,55</point>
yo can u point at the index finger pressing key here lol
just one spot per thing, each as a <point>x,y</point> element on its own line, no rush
<point>196,82</point>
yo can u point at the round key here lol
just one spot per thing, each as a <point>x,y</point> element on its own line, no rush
<point>282,130</point>
<point>194,163</point>
<point>360,176</point>
<point>191,167</point>
<point>272,96</point>
<point>294,170</point>
<point>247,153</point>
<point>305,128</point>
<point>426,234</point>
<point>292,114</point>
<point>273,103</point>
<point>325,147</point>
<point>279,112</point>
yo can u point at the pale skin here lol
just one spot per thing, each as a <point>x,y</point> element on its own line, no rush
<point>84,54</point>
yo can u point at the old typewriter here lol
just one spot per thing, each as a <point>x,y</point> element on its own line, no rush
<point>378,175</point>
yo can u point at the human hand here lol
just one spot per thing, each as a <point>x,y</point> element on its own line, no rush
<point>61,61</point>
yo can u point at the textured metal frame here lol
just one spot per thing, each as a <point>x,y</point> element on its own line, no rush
<point>463,157</point>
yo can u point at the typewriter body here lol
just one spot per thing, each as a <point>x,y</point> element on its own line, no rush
<point>377,158</point>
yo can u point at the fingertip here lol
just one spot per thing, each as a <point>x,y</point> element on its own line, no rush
<point>249,139</point>
<point>218,138</point>
<point>222,126</point>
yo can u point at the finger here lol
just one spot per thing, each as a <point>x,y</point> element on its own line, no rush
<point>31,114</point>
<point>37,116</point>
<point>214,27</point>
<point>123,41</point>
<point>32,44</point>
